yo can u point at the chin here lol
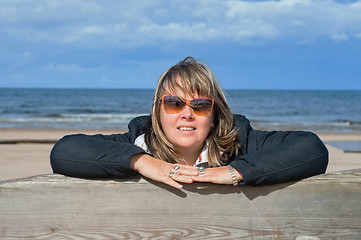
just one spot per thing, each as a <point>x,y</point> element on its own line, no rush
<point>186,144</point>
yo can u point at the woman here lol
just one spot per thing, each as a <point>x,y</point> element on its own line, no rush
<point>192,136</point>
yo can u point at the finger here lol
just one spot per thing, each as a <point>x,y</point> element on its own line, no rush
<point>182,166</point>
<point>200,178</point>
<point>182,178</point>
<point>173,183</point>
<point>187,171</point>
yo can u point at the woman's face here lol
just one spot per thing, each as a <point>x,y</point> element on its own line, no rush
<point>186,130</point>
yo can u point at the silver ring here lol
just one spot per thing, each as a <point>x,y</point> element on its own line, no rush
<point>176,167</point>
<point>201,170</point>
<point>171,174</point>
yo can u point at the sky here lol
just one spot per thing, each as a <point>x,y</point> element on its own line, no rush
<point>285,44</point>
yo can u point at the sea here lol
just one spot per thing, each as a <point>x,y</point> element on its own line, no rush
<point>321,111</point>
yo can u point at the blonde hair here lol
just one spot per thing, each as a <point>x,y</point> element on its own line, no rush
<point>196,79</point>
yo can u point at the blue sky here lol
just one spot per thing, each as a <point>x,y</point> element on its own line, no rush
<point>286,44</point>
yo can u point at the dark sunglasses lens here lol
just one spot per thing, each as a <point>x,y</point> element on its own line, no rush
<point>202,106</point>
<point>173,104</point>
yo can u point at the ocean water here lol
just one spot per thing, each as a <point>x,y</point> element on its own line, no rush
<point>321,111</point>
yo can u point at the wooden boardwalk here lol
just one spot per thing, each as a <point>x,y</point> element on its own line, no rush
<point>56,207</point>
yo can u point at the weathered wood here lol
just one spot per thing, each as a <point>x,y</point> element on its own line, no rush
<point>57,207</point>
<point>30,141</point>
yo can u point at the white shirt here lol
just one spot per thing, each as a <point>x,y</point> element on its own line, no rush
<point>202,160</point>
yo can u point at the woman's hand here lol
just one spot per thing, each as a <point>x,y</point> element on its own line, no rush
<point>159,170</point>
<point>219,175</point>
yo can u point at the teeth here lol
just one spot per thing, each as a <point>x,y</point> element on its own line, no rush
<point>186,128</point>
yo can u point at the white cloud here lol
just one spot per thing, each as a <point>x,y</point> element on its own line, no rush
<point>94,30</point>
<point>141,22</point>
<point>339,37</point>
<point>69,68</point>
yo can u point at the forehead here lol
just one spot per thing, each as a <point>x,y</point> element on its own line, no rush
<point>180,93</point>
<point>182,89</point>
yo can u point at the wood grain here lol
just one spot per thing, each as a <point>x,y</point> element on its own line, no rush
<point>28,141</point>
<point>56,207</point>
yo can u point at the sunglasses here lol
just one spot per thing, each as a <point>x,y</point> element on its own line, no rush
<point>199,106</point>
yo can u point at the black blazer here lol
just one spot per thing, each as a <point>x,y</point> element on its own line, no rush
<point>265,157</point>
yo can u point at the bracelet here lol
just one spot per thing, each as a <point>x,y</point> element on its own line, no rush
<point>233,175</point>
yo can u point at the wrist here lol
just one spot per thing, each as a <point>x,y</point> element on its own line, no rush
<point>235,175</point>
<point>135,159</point>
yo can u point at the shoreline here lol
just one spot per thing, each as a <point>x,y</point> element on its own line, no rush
<point>27,156</point>
<point>12,132</point>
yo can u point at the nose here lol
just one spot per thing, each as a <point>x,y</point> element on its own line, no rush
<point>187,113</point>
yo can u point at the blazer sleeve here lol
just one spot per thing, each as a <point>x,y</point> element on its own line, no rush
<point>98,156</point>
<point>271,157</point>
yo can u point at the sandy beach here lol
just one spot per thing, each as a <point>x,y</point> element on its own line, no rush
<point>22,156</point>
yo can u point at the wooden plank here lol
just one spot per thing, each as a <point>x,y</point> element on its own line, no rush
<point>56,207</point>
<point>28,141</point>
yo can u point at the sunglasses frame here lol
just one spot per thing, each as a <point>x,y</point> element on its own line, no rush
<point>187,102</point>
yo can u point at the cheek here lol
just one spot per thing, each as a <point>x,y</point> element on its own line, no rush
<point>207,125</point>
<point>163,120</point>
<point>161,116</point>
<point>166,121</point>
<point>211,121</point>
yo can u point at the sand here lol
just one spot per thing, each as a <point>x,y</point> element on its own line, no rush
<point>29,159</point>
